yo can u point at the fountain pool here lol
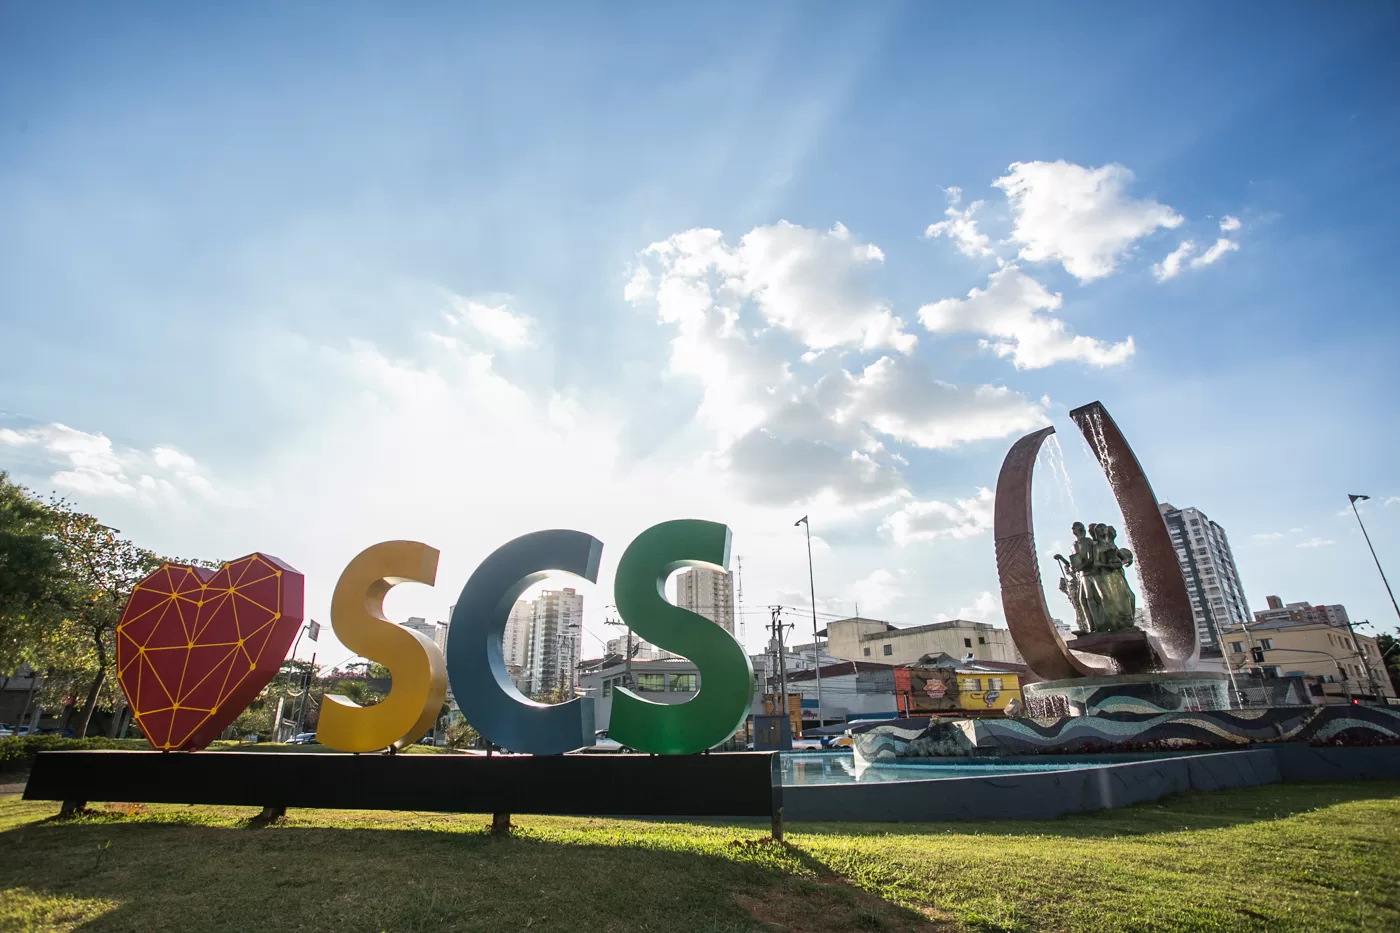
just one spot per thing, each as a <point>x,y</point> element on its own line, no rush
<point>809,769</point>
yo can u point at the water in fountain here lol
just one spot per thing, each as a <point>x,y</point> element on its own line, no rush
<point>1054,460</point>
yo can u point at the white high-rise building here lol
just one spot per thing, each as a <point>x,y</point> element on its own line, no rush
<point>436,632</point>
<point>641,650</point>
<point>515,642</point>
<point>556,638</point>
<point>709,593</point>
<point>1212,579</point>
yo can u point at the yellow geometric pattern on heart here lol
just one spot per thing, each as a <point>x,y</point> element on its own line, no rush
<point>195,645</point>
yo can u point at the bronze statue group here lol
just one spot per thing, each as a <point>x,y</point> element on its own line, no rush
<point>1095,580</point>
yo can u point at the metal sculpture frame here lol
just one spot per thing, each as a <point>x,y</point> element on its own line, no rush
<point>1173,634</point>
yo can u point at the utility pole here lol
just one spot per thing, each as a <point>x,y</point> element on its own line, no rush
<point>777,628</point>
<point>1388,590</point>
<point>816,642</point>
<point>1360,656</point>
<point>305,693</point>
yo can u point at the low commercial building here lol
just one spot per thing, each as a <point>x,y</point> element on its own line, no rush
<point>1341,665</point>
<point>849,690</point>
<point>669,680</point>
<point>882,643</point>
<point>943,685</point>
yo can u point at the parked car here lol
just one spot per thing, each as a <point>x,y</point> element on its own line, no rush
<point>6,730</point>
<point>304,738</point>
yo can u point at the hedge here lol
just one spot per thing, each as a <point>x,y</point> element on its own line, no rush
<point>18,752</point>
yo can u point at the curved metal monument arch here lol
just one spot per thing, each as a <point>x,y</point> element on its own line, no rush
<point>1173,635</point>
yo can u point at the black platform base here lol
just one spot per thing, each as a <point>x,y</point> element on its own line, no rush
<point>741,784</point>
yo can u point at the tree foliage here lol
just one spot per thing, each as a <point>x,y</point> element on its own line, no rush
<point>31,574</point>
<point>64,580</point>
<point>1386,644</point>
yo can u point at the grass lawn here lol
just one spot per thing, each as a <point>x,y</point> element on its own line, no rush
<point>1309,858</point>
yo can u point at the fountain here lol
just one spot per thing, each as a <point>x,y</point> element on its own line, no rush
<point>1114,663</point>
<point>1127,680</point>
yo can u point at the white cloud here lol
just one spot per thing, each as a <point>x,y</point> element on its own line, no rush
<point>95,466</point>
<point>986,607</point>
<point>1170,266</point>
<point>1218,249</point>
<point>1011,309</point>
<point>961,228</point>
<point>1392,500</point>
<point>495,322</point>
<point>811,283</point>
<point>1315,542</point>
<point>932,520</point>
<point>790,421</point>
<point>1078,216</point>
<point>901,399</point>
<point>876,592</point>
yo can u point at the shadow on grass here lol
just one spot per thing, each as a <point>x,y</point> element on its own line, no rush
<point>156,872</point>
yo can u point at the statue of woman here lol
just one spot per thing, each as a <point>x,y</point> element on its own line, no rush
<point>1110,579</point>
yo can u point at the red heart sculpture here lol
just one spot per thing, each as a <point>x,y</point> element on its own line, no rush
<point>196,646</point>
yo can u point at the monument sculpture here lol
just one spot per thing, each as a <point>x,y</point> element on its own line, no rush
<point>1094,581</point>
<point>1109,640</point>
<point>1116,659</point>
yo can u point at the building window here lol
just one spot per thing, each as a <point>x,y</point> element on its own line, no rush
<point>1273,671</point>
<point>1237,647</point>
<point>607,688</point>
<point>683,683</point>
<point>981,640</point>
<point>1267,644</point>
<point>967,642</point>
<point>651,683</point>
<point>867,652</point>
<point>993,683</point>
<point>889,649</point>
<point>973,684</point>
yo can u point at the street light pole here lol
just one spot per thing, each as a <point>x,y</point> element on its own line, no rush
<point>816,642</point>
<point>1388,590</point>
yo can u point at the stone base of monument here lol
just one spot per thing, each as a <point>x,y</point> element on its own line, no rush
<point>904,739</point>
<point>1130,648</point>
<point>1158,692</point>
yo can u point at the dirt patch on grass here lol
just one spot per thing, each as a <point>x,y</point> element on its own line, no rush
<point>831,905</point>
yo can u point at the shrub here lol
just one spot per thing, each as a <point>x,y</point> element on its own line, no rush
<point>18,751</point>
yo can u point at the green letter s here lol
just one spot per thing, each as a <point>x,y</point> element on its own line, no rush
<point>726,674</point>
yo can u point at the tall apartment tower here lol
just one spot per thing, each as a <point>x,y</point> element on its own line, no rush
<point>1212,579</point>
<point>515,642</point>
<point>556,638</point>
<point>709,593</point>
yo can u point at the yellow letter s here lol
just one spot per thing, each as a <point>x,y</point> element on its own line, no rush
<point>416,667</point>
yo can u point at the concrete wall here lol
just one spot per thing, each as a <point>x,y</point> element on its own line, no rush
<point>852,638</point>
<point>1049,794</point>
<point>1037,795</point>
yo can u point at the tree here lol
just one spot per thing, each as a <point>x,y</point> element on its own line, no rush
<point>100,570</point>
<point>31,574</point>
<point>1386,644</point>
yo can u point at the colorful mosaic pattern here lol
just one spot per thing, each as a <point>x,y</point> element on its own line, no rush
<point>920,738</point>
<point>196,646</point>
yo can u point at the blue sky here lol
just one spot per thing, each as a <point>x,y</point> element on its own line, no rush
<point>302,279</point>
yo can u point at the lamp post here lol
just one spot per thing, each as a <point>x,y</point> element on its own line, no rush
<point>816,642</point>
<point>1388,590</point>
